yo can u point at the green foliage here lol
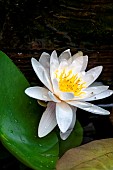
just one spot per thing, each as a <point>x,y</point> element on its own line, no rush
<point>19,116</point>
<point>73,140</point>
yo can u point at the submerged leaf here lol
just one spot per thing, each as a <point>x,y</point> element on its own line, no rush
<point>19,117</point>
<point>96,155</point>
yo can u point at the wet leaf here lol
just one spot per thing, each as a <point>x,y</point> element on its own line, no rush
<point>19,117</point>
<point>96,155</point>
<point>73,140</point>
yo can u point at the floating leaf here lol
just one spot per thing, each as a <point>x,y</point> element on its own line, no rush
<point>96,155</point>
<point>19,117</point>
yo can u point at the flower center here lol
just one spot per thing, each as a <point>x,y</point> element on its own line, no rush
<point>69,82</point>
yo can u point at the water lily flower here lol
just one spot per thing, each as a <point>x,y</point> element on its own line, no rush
<point>67,86</point>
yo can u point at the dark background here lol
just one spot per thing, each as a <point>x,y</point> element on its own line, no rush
<point>30,27</point>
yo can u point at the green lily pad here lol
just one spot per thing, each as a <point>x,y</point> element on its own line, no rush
<point>19,117</point>
<point>95,155</point>
<point>74,140</point>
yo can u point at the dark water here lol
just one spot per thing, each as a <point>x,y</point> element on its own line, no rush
<point>55,24</point>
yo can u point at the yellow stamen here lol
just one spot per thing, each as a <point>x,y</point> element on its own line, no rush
<point>69,82</point>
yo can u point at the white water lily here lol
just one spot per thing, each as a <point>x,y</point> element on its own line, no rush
<point>66,87</point>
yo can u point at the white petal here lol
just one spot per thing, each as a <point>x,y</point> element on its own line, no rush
<point>39,93</point>
<point>41,73</point>
<point>89,107</point>
<point>92,74</point>
<point>65,135</point>
<point>95,71</point>
<point>45,61</point>
<point>55,86</point>
<point>93,90</point>
<point>85,62</point>
<point>71,59</point>
<point>54,64</point>
<point>102,95</point>
<point>66,96</point>
<point>90,92</point>
<point>65,55</point>
<point>64,116</point>
<point>87,79</point>
<point>76,65</point>
<point>48,120</point>
<point>63,65</point>
<point>54,58</point>
<point>53,97</point>
<point>79,64</point>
